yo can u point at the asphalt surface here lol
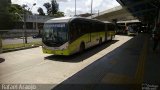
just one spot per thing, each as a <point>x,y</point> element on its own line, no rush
<point>152,72</point>
<point>33,67</point>
<point>132,66</point>
<point>114,71</point>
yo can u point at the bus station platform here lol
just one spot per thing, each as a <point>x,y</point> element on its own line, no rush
<point>132,66</point>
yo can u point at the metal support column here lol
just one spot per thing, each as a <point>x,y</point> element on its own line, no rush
<point>75,8</point>
<point>91,8</point>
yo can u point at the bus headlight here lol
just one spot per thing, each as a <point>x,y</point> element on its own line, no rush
<point>64,46</point>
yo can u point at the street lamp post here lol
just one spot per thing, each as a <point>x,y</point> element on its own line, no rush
<point>75,7</point>
<point>29,9</point>
<point>24,26</point>
<point>91,8</point>
<point>98,12</point>
<point>22,19</point>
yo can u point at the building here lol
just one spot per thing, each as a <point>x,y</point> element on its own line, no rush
<point>32,22</point>
<point>34,25</point>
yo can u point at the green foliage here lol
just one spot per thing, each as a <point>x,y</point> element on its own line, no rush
<point>10,13</point>
<point>20,45</point>
<point>4,4</point>
<point>15,11</point>
<point>5,16</point>
<point>48,7</point>
<point>6,21</point>
<point>59,14</point>
<point>55,7</point>
<point>40,11</point>
<point>52,9</point>
<point>27,11</point>
<point>15,8</point>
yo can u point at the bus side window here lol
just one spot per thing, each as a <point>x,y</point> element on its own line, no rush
<point>99,27</point>
<point>79,29</point>
<point>72,31</point>
<point>93,27</point>
<point>82,29</point>
<point>108,27</point>
<point>88,27</point>
<point>76,30</point>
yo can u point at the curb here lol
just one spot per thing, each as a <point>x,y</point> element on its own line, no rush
<point>17,49</point>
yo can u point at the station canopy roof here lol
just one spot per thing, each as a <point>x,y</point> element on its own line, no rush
<point>119,13</point>
<point>145,10</point>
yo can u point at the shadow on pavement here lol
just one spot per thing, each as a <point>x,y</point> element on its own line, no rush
<point>2,60</point>
<point>78,57</point>
<point>89,78</point>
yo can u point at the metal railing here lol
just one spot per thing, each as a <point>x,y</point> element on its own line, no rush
<point>14,39</point>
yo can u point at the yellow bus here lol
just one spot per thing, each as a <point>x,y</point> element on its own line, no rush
<point>69,35</point>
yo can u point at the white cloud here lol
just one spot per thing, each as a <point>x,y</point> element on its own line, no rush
<point>68,6</point>
<point>63,0</point>
<point>29,3</point>
<point>69,11</point>
<point>95,3</point>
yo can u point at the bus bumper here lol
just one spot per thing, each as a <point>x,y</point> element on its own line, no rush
<point>56,52</point>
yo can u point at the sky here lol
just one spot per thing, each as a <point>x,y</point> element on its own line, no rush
<point>68,6</point>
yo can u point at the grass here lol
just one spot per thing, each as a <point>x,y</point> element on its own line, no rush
<point>20,45</point>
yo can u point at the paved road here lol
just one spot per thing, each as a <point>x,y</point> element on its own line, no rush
<point>33,67</point>
<point>17,40</point>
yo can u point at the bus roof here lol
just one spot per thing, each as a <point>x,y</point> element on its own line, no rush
<point>106,22</point>
<point>59,20</point>
<point>129,21</point>
<point>67,19</point>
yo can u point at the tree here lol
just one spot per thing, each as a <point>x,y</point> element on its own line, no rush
<point>4,14</point>
<point>55,7</point>
<point>48,7</point>
<point>15,8</point>
<point>26,10</point>
<point>59,14</point>
<point>4,18</point>
<point>40,11</point>
<point>52,7</point>
<point>8,12</point>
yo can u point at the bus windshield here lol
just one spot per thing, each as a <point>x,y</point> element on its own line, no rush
<point>55,34</point>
